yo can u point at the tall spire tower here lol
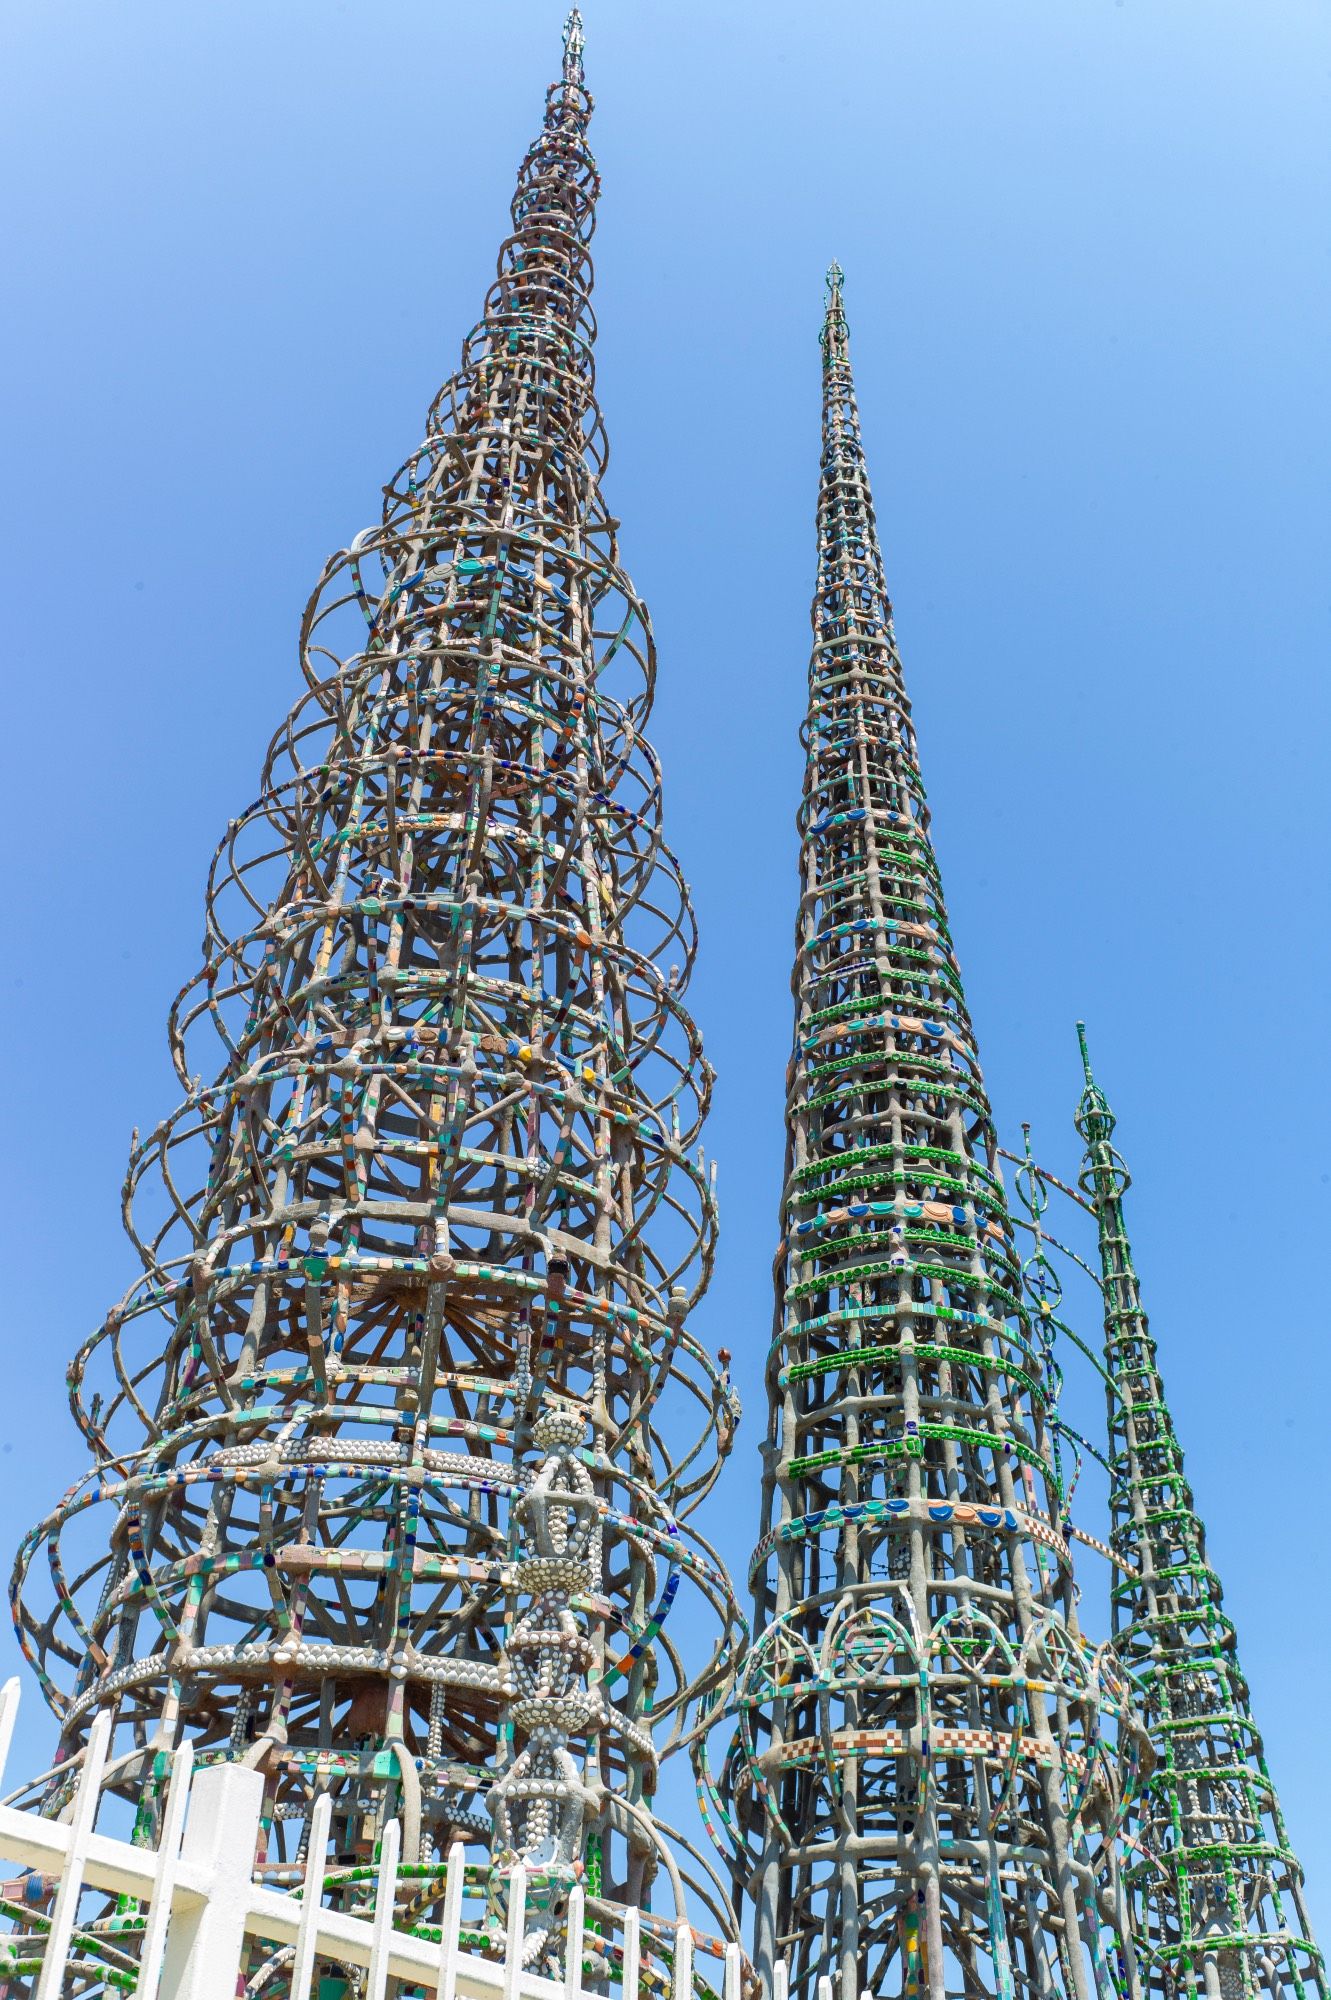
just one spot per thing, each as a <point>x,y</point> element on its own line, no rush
<point>1216,1891</point>
<point>392,1443</point>
<point>923,1781</point>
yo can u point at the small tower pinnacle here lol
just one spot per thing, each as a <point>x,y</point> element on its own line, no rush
<point>836,343</point>
<point>1215,1890</point>
<point>1094,1105</point>
<point>573,46</point>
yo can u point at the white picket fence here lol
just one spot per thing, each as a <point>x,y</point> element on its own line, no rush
<point>202,1904</point>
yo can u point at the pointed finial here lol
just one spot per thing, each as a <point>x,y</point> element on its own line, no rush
<point>573,46</point>
<point>1030,1186</point>
<point>1094,1118</point>
<point>836,346</point>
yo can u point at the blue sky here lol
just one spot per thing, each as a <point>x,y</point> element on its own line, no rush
<point>1089,288</point>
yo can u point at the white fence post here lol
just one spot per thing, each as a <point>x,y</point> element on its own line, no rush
<point>311,1907</point>
<point>86,1801</point>
<point>385,1902</point>
<point>682,1985</point>
<point>573,1934</point>
<point>205,1944</point>
<point>454,1882</point>
<point>517,1930</point>
<point>168,1857</point>
<point>9,1700</point>
<point>632,1952</point>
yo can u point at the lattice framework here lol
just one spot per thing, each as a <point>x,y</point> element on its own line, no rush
<point>926,1779</point>
<point>1215,1886</point>
<point>397,1438</point>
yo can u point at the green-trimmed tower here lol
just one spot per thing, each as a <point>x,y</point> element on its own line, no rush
<point>1216,1891</point>
<point>923,1786</point>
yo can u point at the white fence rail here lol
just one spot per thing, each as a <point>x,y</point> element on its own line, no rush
<point>203,1907</point>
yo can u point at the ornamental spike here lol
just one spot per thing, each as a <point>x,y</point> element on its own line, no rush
<point>394,1455</point>
<point>1085,1054</point>
<point>836,345</point>
<point>1214,1888</point>
<point>919,1715</point>
<point>1093,1104</point>
<point>574,43</point>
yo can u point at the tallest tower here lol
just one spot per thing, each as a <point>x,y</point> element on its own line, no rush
<point>923,1783</point>
<point>392,1441</point>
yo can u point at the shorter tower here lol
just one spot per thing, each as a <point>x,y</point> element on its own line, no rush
<point>1216,1890</point>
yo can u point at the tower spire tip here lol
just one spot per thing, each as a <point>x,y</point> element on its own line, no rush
<point>835,346</point>
<point>574,41</point>
<point>1094,1106</point>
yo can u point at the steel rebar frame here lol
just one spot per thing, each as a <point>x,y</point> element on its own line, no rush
<point>927,1775</point>
<point>392,1449</point>
<point>1215,1889</point>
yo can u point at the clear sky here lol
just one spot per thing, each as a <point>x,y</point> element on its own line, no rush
<point>1087,256</point>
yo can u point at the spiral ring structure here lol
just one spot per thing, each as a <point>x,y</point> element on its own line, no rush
<point>930,1760</point>
<point>396,1440</point>
<point>1215,1887</point>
